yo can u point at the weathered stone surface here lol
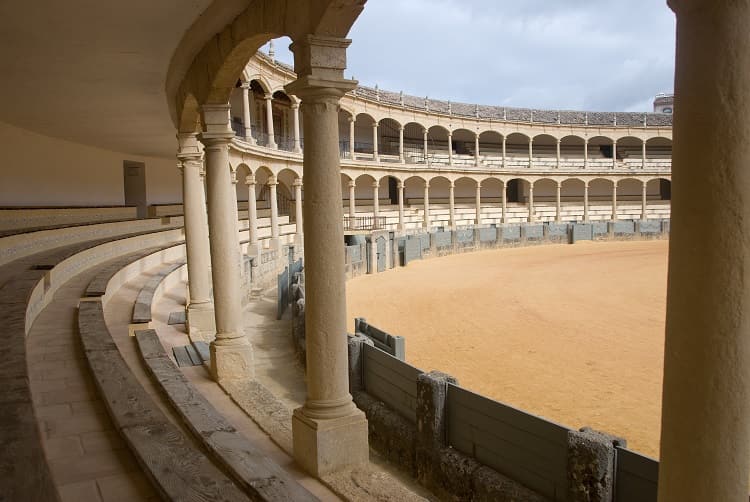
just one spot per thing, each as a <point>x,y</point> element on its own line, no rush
<point>582,232</point>
<point>591,464</point>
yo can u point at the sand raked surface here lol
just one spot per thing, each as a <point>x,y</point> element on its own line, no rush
<point>574,334</point>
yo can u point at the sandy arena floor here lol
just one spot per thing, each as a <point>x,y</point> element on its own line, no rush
<point>574,334</point>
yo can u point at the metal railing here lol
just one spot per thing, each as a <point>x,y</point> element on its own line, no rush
<point>364,222</point>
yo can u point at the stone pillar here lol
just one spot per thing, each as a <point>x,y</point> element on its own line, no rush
<point>401,225</point>
<point>558,153</point>
<point>401,145</point>
<point>452,204</point>
<point>585,202</point>
<point>643,155</point>
<point>375,203</point>
<point>200,309</point>
<point>478,217</point>
<point>295,118</point>
<point>246,112</point>
<point>426,221</point>
<point>503,151</point>
<point>252,216</point>
<point>614,200</point>
<point>450,148</point>
<point>558,203</point>
<point>705,433</point>
<point>329,432</point>
<point>476,150</point>
<point>269,122</point>
<point>352,199</point>
<point>351,138</point>
<point>375,155</point>
<point>531,152</point>
<point>505,202</point>
<point>614,154</point>
<point>586,153</point>
<point>298,208</point>
<point>231,353</point>
<point>531,202</point>
<point>424,132</point>
<point>273,201</point>
<point>644,203</point>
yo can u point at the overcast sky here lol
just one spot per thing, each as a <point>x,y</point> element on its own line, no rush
<point>561,54</point>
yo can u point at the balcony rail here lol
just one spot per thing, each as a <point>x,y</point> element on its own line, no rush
<point>364,223</point>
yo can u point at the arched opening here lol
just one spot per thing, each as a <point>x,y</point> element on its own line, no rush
<point>545,192</point>
<point>630,150</point>
<point>463,142</point>
<point>241,174</point>
<point>545,147</point>
<point>414,190</point>
<point>514,190</point>
<point>659,153</point>
<point>571,151</point>
<point>600,199</point>
<point>491,148</point>
<point>437,145</point>
<point>659,189</point>
<point>257,103</point>
<point>363,135</point>
<point>439,201</point>
<point>388,140</point>
<point>345,143</point>
<point>465,192</point>
<point>414,143</point>
<point>517,150</point>
<point>281,107</point>
<point>572,192</point>
<point>600,152</point>
<point>285,192</point>
<point>629,189</point>
<point>364,192</point>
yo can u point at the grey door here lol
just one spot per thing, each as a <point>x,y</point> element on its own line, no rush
<point>381,243</point>
<point>134,178</point>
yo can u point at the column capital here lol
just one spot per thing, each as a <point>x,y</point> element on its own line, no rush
<point>272,181</point>
<point>400,185</point>
<point>427,184</point>
<point>452,184</point>
<point>320,63</point>
<point>352,184</point>
<point>294,105</point>
<point>374,125</point>
<point>216,129</point>
<point>245,85</point>
<point>400,128</point>
<point>479,185</point>
<point>375,184</point>
<point>297,182</point>
<point>188,146</point>
<point>351,119</point>
<point>250,180</point>
<point>268,96</point>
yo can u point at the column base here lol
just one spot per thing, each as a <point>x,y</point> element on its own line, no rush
<point>200,321</point>
<point>325,446</point>
<point>232,360</point>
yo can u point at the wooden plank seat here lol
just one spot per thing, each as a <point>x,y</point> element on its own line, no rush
<point>259,475</point>
<point>142,305</point>
<point>176,468</point>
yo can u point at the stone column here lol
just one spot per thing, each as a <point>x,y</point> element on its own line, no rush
<point>351,138</point>
<point>252,216</point>
<point>503,152</point>
<point>452,204</point>
<point>329,432</point>
<point>375,155</point>
<point>476,150</point>
<point>586,153</point>
<point>352,199</point>
<point>295,120</point>
<point>231,353</point>
<point>531,202</point>
<point>297,184</point>
<point>375,203</point>
<point>450,148</point>
<point>478,217</point>
<point>531,152</point>
<point>426,221</point>
<point>558,153</point>
<point>614,200</point>
<point>200,309</point>
<point>269,122</point>
<point>643,155</point>
<point>505,202</point>
<point>558,203</point>
<point>246,112</point>
<point>401,145</point>
<point>401,225</point>
<point>586,202</point>
<point>614,154</point>
<point>273,201</point>
<point>644,203</point>
<point>705,434</point>
<point>424,133</point>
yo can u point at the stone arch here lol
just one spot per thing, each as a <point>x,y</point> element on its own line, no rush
<point>545,146</point>
<point>414,187</point>
<point>600,147</point>
<point>242,172</point>
<point>463,141</point>
<point>208,68</point>
<point>629,189</point>
<point>363,140</point>
<point>659,188</point>
<point>490,144</point>
<point>545,190</point>
<point>572,190</point>
<point>414,143</point>
<point>439,189</point>
<point>600,190</point>
<point>517,145</point>
<point>514,189</point>
<point>629,148</point>
<point>388,137</point>
<point>571,147</point>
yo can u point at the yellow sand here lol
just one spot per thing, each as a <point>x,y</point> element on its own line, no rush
<point>574,334</point>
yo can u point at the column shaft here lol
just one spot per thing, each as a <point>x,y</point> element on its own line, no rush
<point>478,202</point>
<point>450,148</point>
<point>269,122</point>
<point>558,204</point>
<point>351,138</point>
<point>401,145</point>
<point>375,204</point>
<point>705,434</point>
<point>375,155</point>
<point>274,207</point>
<point>531,152</point>
<point>298,205</point>
<point>643,155</point>
<point>505,202</point>
<point>558,154</point>
<point>424,132</point>
<point>614,201</point>
<point>532,217</point>
<point>352,200</point>
<point>452,204</point>
<point>503,152</point>
<point>585,202</point>
<point>614,154</point>
<point>246,111</point>
<point>476,150</point>
<point>401,205</point>
<point>586,154</point>
<point>252,211</point>
<point>426,221</point>
<point>295,118</point>
<point>644,202</point>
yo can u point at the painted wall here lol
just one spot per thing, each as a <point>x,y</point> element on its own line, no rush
<point>39,170</point>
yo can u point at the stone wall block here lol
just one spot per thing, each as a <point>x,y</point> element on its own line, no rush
<point>356,348</point>
<point>591,465</point>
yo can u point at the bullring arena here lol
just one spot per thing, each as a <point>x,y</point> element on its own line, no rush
<point>338,292</point>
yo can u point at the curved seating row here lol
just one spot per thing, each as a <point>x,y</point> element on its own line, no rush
<point>27,284</point>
